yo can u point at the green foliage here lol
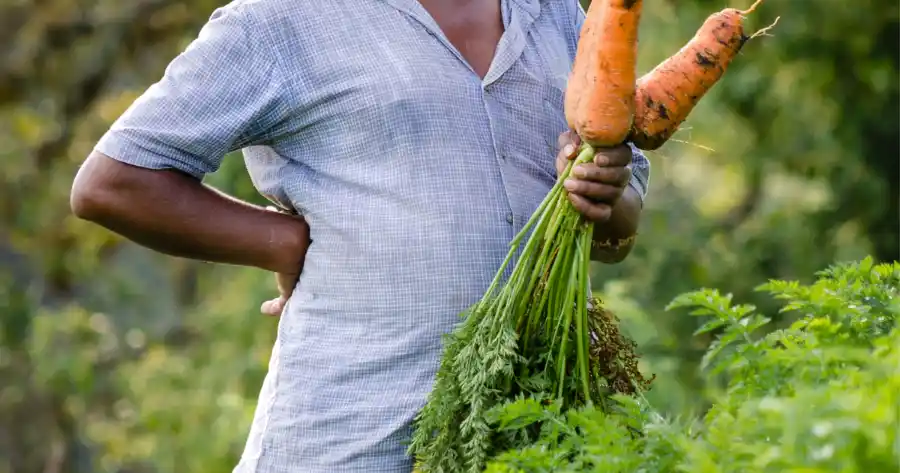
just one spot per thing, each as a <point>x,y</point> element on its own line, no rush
<point>822,395</point>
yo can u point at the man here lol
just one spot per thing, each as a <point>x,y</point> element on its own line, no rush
<point>415,138</point>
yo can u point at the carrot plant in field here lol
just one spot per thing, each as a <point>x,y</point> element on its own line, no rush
<point>822,395</point>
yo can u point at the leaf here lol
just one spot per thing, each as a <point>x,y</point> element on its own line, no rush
<point>710,326</point>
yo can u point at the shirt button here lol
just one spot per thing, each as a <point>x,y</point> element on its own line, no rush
<point>509,218</point>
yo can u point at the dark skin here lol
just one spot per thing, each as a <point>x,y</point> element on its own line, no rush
<point>600,192</point>
<point>474,27</point>
<point>178,215</point>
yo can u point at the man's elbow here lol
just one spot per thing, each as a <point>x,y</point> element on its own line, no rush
<point>84,200</point>
<point>93,193</point>
<point>83,203</point>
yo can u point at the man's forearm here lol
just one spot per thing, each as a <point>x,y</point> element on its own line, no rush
<point>175,214</point>
<point>614,239</point>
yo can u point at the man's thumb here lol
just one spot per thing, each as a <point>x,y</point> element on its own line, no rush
<point>273,307</point>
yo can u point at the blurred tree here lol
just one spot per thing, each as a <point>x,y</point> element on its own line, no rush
<point>70,68</point>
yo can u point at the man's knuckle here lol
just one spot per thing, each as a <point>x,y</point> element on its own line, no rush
<point>608,192</point>
<point>577,203</point>
<point>609,175</point>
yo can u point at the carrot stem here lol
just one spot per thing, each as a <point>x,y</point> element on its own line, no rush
<point>582,266</point>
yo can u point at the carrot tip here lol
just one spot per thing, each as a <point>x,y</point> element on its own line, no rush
<point>751,9</point>
<point>765,31</point>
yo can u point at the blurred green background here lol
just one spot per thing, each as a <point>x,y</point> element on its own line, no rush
<point>789,164</point>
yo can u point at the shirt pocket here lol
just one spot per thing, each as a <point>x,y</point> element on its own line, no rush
<point>554,105</point>
<point>555,63</point>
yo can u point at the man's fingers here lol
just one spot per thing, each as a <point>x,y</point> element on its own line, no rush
<point>595,191</point>
<point>269,308</point>
<point>591,211</point>
<point>567,137</point>
<point>568,145</point>
<point>613,157</point>
<point>568,149</point>
<point>273,307</point>
<point>614,176</point>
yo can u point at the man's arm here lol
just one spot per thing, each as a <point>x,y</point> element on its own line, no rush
<point>143,180</point>
<point>171,212</point>
<point>614,239</point>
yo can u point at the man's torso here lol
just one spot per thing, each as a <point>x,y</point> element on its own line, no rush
<point>414,173</point>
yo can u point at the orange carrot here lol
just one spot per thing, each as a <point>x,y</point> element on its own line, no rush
<point>667,94</point>
<point>599,102</point>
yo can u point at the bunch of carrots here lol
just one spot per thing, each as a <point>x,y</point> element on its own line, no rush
<point>540,334</point>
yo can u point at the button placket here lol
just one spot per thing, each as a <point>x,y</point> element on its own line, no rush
<point>491,107</point>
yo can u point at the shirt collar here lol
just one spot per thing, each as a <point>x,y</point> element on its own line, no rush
<point>530,7</point>
<point>523,14</point>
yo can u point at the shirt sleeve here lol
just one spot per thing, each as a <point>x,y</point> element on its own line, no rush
<point>220,94</point>
<point>640,172</point>
<point>640,165</point>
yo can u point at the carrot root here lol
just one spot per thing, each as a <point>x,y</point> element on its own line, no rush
<point>765,31</point>
<point>751,9</point>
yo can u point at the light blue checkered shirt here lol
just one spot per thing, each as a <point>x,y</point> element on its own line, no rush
<point>413,173</point>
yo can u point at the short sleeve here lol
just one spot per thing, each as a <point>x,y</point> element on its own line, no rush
<point>220,94</point>
<point>640,172</point>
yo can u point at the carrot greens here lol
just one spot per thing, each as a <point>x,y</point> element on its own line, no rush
<point>537,334</point>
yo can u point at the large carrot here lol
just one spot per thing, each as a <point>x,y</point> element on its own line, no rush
<point>599,102</point>
<point>666,95</point>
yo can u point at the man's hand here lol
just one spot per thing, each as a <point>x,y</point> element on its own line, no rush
<point>600,191</point>
<point>286,279</point>
<point>285,283</point>
<point>595,188</point>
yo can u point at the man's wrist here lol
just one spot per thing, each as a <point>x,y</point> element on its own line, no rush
<point>610,250</point>
<point>288,240</point>
<point>605,243</point>
<point>613,240</point>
